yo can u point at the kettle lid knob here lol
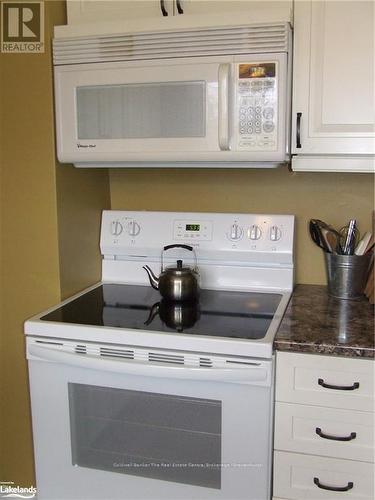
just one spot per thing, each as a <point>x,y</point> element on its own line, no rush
<point>179,265</point>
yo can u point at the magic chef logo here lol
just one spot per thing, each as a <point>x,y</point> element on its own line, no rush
<point>7,490</point>
<point>79,145</point>
<point>22,27</point>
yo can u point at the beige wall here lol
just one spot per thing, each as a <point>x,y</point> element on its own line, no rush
<point>41,204</point>
<point>330,197</point>
<point>30,266</point>
<point>81,196</point>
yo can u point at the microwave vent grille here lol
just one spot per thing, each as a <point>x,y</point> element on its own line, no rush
<point>251,39</point>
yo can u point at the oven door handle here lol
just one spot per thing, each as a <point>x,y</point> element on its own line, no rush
<point>248,374</point>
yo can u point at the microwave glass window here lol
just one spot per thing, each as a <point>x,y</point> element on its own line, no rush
<point>159,436</point>
<point>139,111</point>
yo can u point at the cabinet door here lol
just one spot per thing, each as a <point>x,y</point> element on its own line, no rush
<point>333,78</point>
<point>94,11</point>
<point>298,476</point>
<point>269,11</point>
<point>330,381</point>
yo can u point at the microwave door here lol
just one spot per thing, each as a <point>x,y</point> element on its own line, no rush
<point>132,112</point>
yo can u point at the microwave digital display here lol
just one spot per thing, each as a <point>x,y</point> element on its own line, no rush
<point>257,70</point>
<point>192,227</point>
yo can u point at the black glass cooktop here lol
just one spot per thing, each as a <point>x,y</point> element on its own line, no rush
<point>217,313</point>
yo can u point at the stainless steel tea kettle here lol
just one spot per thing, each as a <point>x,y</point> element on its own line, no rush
<point>177,283</point>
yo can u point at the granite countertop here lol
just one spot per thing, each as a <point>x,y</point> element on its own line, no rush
<point>316,323</point>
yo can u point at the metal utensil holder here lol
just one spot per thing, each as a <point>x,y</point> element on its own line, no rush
<point>347,274</point>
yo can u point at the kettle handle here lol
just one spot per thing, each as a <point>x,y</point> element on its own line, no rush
<point>177,245</point>
<point>187,247</point>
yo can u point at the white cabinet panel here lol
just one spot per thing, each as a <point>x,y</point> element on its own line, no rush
<point>264,11</point>
<point>310,379</point>
<point>317,430</point>
<point>94,11</point>
<point>307,477</point>
<point>320,398</point>
<point>99,11</point>
<point>333,82</point>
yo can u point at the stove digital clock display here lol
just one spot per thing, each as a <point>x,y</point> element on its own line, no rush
<point>192,227</point>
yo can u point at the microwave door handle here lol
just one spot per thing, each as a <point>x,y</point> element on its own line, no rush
<point>223,101</point>
<point>242,374</point>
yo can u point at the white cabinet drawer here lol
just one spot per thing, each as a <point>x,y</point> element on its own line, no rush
<point>312,429</point>
<point>302,476</point>
<point>325,381</point>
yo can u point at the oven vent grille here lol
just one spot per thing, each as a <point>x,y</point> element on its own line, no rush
<point>81,349</point>
<point>246,39</point>
<point>166,358</point>
<point>116,353</point>
<point>206,362</point>
<point>151,355</point>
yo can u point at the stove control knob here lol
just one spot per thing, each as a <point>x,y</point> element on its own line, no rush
<point>255,232</point>
<point>275,233</point>
<point>116,228</point>
<point>134,228</point>
<point>235,233</point>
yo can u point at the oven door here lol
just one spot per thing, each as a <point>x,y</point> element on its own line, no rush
<point>132,423</point>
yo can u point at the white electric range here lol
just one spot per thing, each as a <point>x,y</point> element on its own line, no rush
<point>128,405</point>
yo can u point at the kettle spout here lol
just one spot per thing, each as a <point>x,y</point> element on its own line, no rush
<point>154,281</point>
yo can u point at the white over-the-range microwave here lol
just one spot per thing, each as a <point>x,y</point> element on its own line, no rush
<point>214,97</point>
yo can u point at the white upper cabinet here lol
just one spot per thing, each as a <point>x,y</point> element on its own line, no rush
<point>258,11</point>
<point>333,86</point>
<point>94,11</point>
<point>101,11</point>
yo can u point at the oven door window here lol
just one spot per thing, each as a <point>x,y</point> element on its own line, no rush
<point>159,436</point>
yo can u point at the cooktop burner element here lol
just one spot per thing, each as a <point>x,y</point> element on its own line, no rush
<point>218,313</point>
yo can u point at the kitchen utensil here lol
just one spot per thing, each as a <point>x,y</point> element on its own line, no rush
<point>370,282</point>
<point>319,231</point>
<point>324,225</point>
<point>175,315</point>
<point>316,235</point>
<point>370,244</point>
<point>176,283</point>
<point>332,240</point>
<point>349,237</point>
<point>370,285</point>
<point>364,244</point>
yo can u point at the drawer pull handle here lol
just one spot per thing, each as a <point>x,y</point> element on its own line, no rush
<point>353,435</point>
<point>332,488</point>
<point>339,387</point>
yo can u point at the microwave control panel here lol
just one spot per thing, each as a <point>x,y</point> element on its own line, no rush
<point>257,106</point>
